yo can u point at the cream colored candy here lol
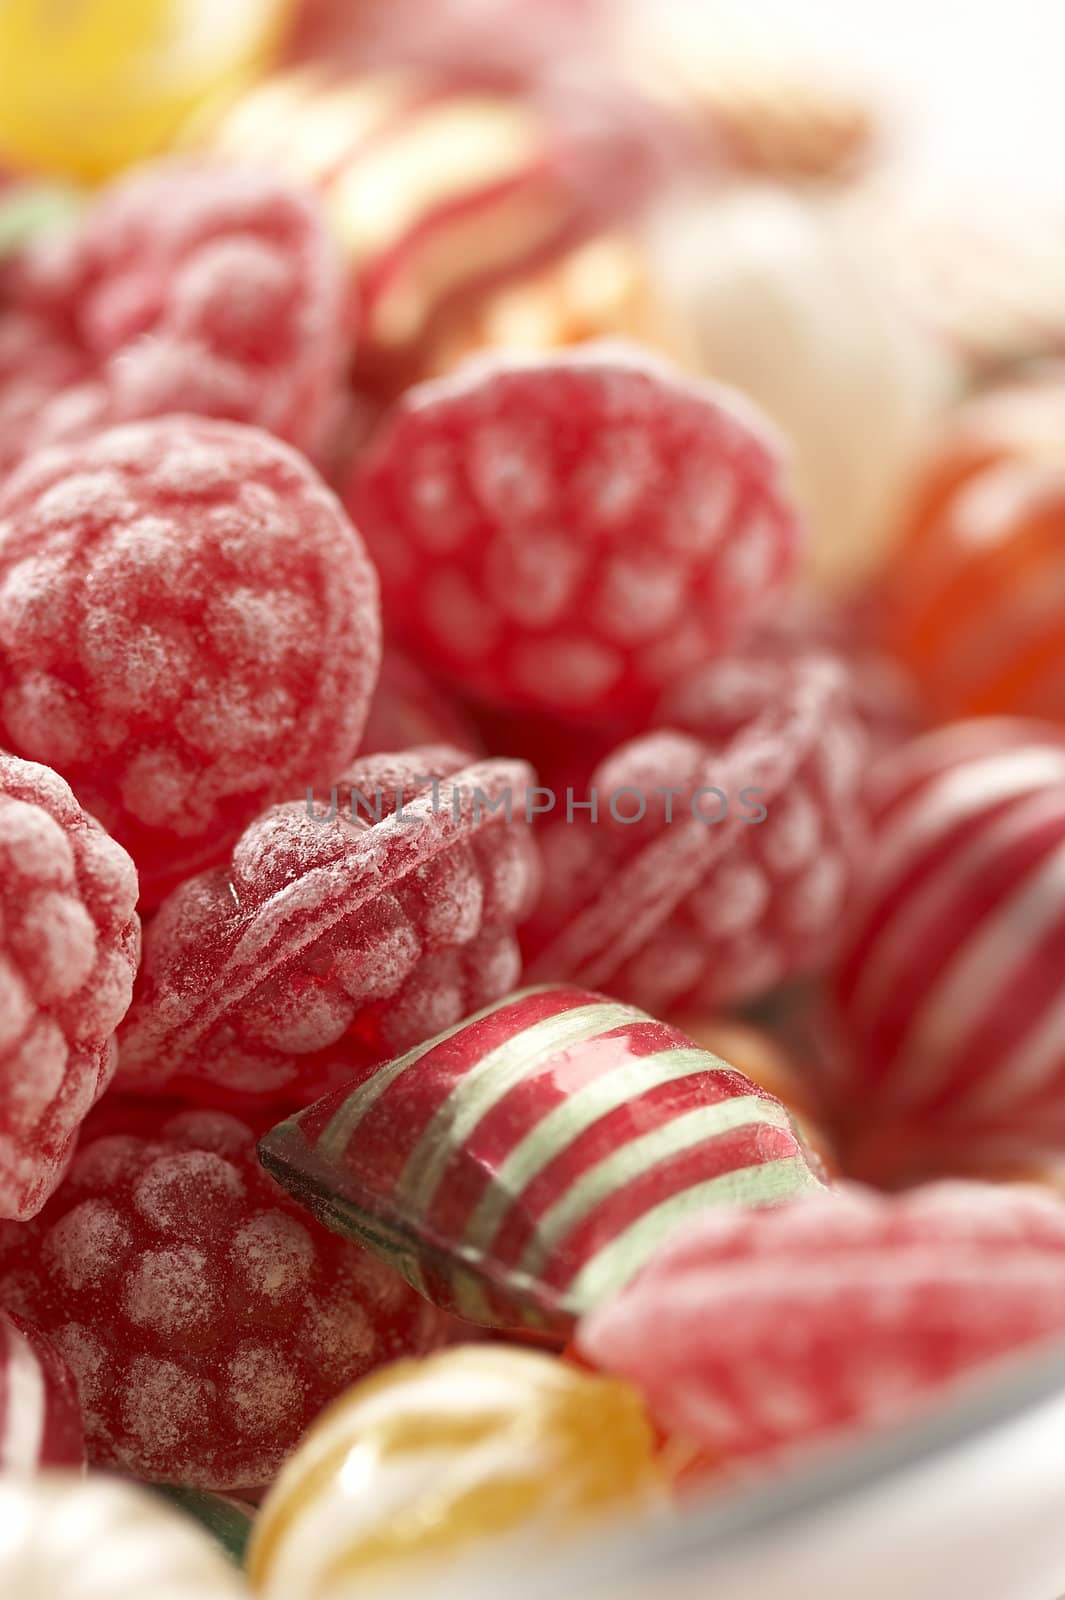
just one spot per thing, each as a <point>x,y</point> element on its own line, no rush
<point>68,1538</point>
<point>781,300</point>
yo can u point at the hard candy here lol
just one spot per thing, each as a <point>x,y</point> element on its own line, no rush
<point>440,1459</point>
<point>40,1419</point>
<point>522,1166</point>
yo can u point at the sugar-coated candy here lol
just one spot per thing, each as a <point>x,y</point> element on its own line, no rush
<point>40,1418</point>
<point>90,88</point>
<point>408,709</point>
<point>972,600</point>
<point>718,858</point>
<point>184,287</point>
<point>785,302</point>
<point>71,1538</point>
<point>70,941</point>
<point>205,1320</point>
<point>948,979</point>
<point>435,1460</point>
<point>521,1167</point>
<point>342,931</point>
<point>571,533</point>
<point>755,1333</point>
<point>436,193</point>
<point>188,631</point>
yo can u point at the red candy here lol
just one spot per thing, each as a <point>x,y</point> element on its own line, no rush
<point>40,1423</point>
<point>334,939</point>
<point>69,945</point>
<point>949,979</point>
<point>756,1331</point>
<point>408,709</point>
<point>186,288</point>
<point>696,903</point>
<point>188,630</point>
<point>571,534</point>
<point>206,1320</point>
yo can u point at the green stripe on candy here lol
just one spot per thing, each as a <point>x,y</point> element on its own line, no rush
<point>339,1129</point>
<point>563,1126</point>
<point>619,1261</point>
<point>637,1157</point>
<point>484,1085</point>
<point>225,1518</point>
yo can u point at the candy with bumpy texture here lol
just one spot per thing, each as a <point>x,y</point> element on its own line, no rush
<point>437,1459</point>
<point>570,534</point>
<point>184,288</point>
<point>437,194</point>
<point>752,1334</point>
<point>948,980</point>
<point>408,709</point>
<point>90,88</point>
<point>721,857</point>
<point>521,1167</point>
<point>782,301</point>
<point>342,932</point>
<point>70,941</point>
<point>69,1538</point>
<point>188,631</point>
<point>972,599</point>
<point>40,1421</point>
<point>206,1321</point>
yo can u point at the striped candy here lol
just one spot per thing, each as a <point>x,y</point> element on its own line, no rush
<point>40,1423</point>
<point>523,1166</point>
<point>950,980</point>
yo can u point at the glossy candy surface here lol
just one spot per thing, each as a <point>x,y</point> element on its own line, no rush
<point>182,287</point>
<point>523,1166</point>
<point>188,630</point>
<point>205,1320</point>
<point>40,1420</point>
<point>341,932</point>
<point>972,605</point>
<point>70,941</point>
<point>751,1334</point>
<point>68,1538</point>
<point>718,859</point>
<point>434,1460</point>
<point>948,981</point>
<point>570,534</point>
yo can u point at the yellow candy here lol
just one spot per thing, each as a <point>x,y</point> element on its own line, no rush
<point>431,1459</point>
<point>90,86</point>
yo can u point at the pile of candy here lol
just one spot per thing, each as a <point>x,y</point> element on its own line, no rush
<point>532,796</point>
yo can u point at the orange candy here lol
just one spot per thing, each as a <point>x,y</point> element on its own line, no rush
<point>974,605</point>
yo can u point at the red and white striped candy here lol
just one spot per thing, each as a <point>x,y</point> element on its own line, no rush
<point>949,983</point>
<point>525,1165</point>
<point>40,1422</point>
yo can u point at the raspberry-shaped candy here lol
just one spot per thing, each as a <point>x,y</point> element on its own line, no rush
<point>188,631</point>
<point>570,534</point>
<point>705,867</point>
<point>69,946</point>
<point>341,933</point>
<point>40,1421</point>
<point>206,1319</point>
<point>408,709</point>
<point>755,1331</point>
<point>186,288</point>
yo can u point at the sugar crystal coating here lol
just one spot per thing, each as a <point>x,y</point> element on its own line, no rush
<point>723,845</point>
<point>205,1319</point>
<point>70,941</point>
<point>188,629</point>
<point>757,1331</point>
<point>572,533</point>
<point>185,288</point>
<point>344,930</point>
<point>40,1420</point>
